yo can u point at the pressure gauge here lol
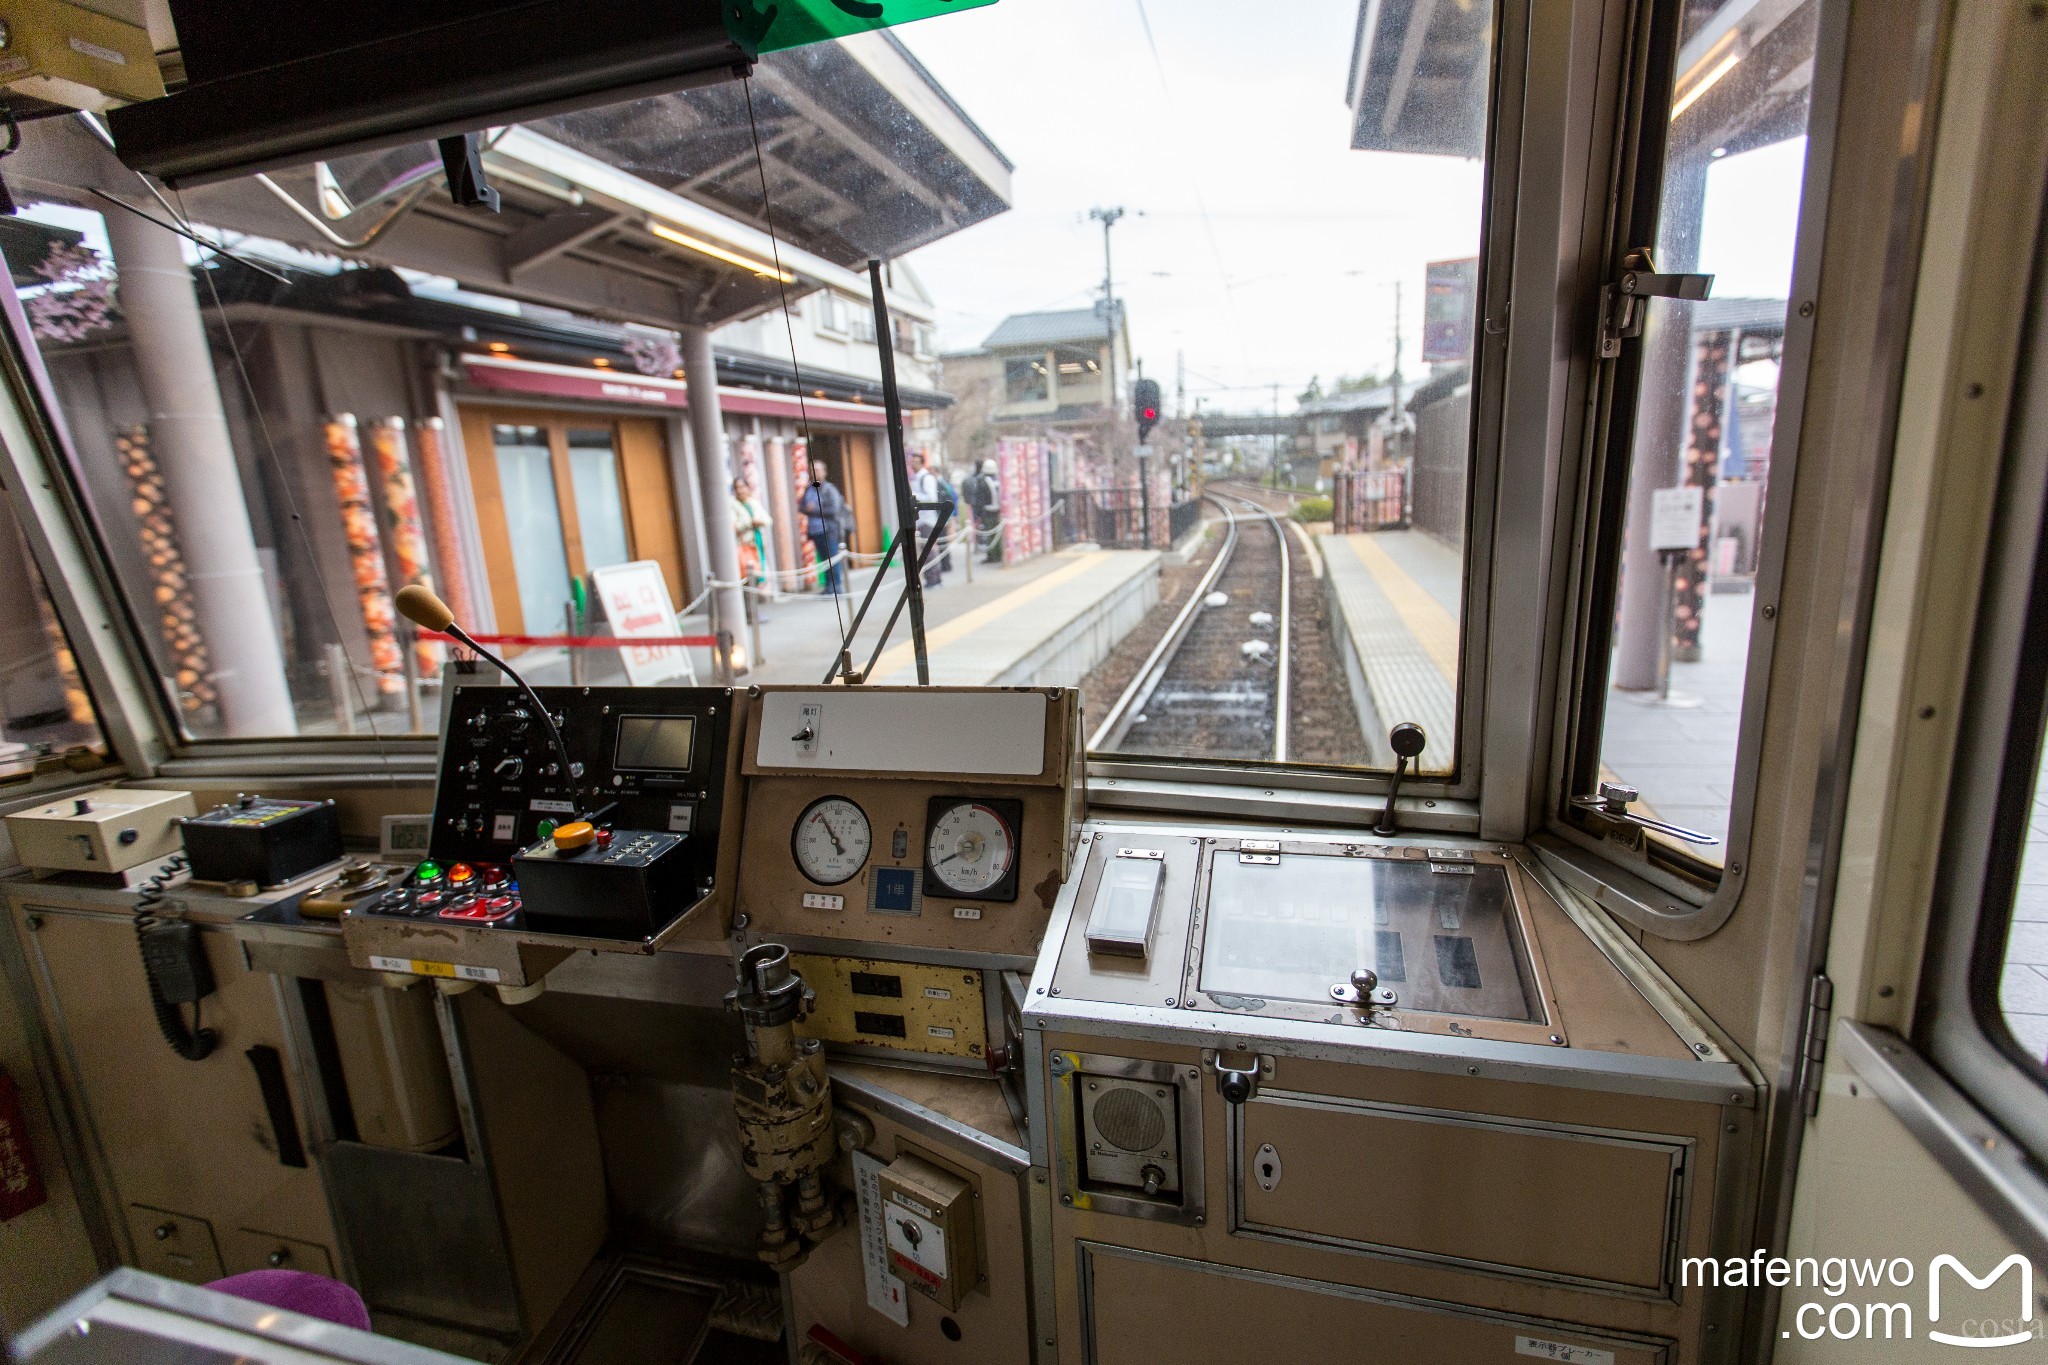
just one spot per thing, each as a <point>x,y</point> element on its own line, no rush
<point>971,848</point>
<point>831,840</point>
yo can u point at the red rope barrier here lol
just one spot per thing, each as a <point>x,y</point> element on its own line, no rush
<point>586,641</point>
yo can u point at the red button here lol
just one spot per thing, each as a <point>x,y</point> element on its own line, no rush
<point>494,876</point>
<point>604,837</point>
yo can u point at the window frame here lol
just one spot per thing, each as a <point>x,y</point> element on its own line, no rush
<point>1345,794</point>
<point>104,634</point>
<point>2002,727</point>
<point>1654,886</point>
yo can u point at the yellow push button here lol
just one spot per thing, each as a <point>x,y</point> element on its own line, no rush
<point>574,835</point>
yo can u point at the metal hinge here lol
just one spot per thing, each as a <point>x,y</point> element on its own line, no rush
<point>1813,1051</point>
<point>1623,304</point>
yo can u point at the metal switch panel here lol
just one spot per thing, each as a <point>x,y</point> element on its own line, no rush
<point>928,1223</point>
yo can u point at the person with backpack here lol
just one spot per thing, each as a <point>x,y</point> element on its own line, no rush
<point>823,508</point>
<point>927,486</point>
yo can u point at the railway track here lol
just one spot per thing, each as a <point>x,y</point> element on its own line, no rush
<point>1218,683</point>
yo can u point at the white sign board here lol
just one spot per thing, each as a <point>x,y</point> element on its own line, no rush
<point>1675,517</point>
<point>886,1294</point>
<point>636,602</point>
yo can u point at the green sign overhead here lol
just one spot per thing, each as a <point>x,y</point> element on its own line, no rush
<point>772,25</point>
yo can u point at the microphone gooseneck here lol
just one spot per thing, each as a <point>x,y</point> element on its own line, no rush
<point>424,609</point>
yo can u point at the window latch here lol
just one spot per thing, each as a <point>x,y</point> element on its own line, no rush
<point>1624,304</point>
<point>1612,801</point>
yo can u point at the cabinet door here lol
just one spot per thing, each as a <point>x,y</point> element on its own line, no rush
<point>189,1136</point>
<point>1220,1313</point>
<point>246,1249</point>
<point>176,1245</point>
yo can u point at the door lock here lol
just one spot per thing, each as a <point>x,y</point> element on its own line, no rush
<point>1624,304</point>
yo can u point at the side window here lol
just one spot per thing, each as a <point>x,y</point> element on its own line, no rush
<point>1026,381</point>
<point>47,721</point>
<point>2022,966</point>
<point>1686,508</point>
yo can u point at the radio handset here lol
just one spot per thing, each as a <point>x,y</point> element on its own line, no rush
<point>174,962</point>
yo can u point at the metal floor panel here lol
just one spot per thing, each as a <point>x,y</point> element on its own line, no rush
<point>631,1310</point>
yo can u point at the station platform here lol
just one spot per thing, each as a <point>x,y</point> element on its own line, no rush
<point>1044,622</point>
<point>1394,600</point>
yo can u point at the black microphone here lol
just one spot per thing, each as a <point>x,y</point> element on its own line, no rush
<point>424,609</point>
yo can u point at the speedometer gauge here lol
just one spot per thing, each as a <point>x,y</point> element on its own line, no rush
<point>971,848</point>
<point>831,840</point>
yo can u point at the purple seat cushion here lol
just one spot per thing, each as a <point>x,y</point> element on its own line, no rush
<point>314,1295</point>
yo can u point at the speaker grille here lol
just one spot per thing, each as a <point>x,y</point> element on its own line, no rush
<point>1131,1119</point>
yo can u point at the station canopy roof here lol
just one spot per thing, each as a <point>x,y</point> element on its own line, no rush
<point>1419,72</point>
<point>647,212</point>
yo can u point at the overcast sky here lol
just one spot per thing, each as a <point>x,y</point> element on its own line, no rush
<point>1291,272</point>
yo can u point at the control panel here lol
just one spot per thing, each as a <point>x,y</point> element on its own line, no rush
<point>647,758</point>
<point>533,851</point>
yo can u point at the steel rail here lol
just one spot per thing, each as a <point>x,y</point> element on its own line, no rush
<point>1283,686</point>
<point>1117,723</point>
<point>1152,672</point>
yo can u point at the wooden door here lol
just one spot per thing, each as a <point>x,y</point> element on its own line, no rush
<point>861,492</point>
<point>559,494</point>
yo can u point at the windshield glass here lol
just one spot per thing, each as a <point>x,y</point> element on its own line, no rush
<point>1181,304</point>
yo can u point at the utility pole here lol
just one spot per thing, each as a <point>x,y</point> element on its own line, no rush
<point>1274,453</point>
<point>1108,217</point>
<point>1394,382</point>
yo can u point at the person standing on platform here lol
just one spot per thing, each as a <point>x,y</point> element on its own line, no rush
<point>926,488</point>
<point>750,523</point>
<point>984,500</point>
<point>823,508</point>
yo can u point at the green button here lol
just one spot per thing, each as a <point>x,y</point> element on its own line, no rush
<point>547,829</point>
<point>427,872</point>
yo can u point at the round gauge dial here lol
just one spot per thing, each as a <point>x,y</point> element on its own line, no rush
<point>831,840</point>
<point>970,848</point>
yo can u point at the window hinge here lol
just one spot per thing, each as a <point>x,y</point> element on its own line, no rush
<point>1623,304</point>
<point>1820,1012</point>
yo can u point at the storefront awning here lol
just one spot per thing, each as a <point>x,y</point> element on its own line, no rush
<point>542,380</point>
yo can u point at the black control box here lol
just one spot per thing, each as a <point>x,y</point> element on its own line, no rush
<point>631,885</point>
<point>262,839</point>
<point>650,772</point>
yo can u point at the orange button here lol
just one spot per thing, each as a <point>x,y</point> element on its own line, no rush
<point>574,835</point>
<point>461,872</point>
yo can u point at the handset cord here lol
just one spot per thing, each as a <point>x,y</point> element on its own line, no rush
<point>196,1043</point>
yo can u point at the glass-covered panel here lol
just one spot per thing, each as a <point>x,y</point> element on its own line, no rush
<point>1191,360</point>
<point>1442,937</point>
<point>600,502</point>
<point>533,519</point>
<point>1698,480</point>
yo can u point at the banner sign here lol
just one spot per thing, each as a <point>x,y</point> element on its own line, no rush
<point>1449,296</point>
